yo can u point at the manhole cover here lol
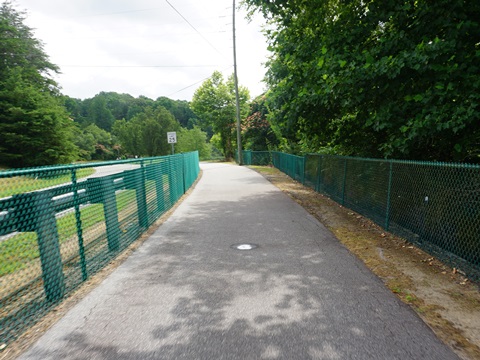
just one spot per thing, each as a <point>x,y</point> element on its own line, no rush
<point>244,246</point>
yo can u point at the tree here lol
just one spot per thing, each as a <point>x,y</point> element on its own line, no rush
<point>138,106</point>
<point>193,140</point>
<point>100,114</point>
<point>258,134</point>
<point>118,104</point>
<point>129,135</point>
<point>95,144</point>
<point>146,132</point>
<point>180,109</point>
<point>214,104</point>
<point>35,129</point>
<point>379,78</point>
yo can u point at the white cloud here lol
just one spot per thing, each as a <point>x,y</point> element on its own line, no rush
<point>144,47</point>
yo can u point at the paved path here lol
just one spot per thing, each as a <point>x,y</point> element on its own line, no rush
<point>187,294</point>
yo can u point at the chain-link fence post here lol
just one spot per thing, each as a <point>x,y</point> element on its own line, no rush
<point>78,222</point>
<point>319,174</point>
<point>304,160</point>
<point>171,180</point>
<point>389,194</point>
<point>184,174</point>
<point>344,181</point>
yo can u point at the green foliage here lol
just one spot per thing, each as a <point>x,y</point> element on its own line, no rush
<point>180,109</point>
<point>96,144</point>
<point>18,185</point>
<point>34,126</point>
<point>99,112</point>
<point>258,135</point>
<point>137,122</point>
<point>193,140</point>
<point>214,104</point>
<point>146,133</point>
<point>138,106</point>
<point>129,135</point>
<point>107,107</point>
<point>19,48</point>
<point>378,78</point>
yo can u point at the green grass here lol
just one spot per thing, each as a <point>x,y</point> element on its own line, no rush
<point>21,184</point>
<point>18,251</point>
<point>264,169</point>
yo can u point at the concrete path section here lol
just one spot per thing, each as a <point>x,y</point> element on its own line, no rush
<point>188,294</point>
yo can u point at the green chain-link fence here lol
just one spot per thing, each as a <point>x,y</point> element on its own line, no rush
<point>433,205</point>
<point>59,225</point>
<point>256,157</point>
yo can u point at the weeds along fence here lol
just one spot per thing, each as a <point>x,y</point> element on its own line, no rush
<point>435,206</point>
<point>58,226</point>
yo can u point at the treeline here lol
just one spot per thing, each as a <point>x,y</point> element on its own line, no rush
<point>386,79</point>
<point>112,126</point>
<point>378,78</point>
<point>40,126</point>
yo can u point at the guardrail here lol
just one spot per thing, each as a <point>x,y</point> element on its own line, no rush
<point>53,239</point>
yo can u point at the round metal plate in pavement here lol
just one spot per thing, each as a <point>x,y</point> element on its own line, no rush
<point>244,246</point>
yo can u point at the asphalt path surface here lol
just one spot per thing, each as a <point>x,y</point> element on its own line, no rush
<point>188,294</point>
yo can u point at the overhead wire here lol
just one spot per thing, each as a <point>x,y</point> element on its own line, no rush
<point>138,66</point>
<point>158,66</point>
<point>194,28</point>
<point>198,82</point>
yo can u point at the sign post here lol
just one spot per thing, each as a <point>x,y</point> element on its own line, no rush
<point>172,139</point>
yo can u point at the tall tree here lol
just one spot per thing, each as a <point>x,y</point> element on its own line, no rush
<point>378,78</point>
<point>194,140</point>
<point>258,134</point>
<point>34,127</point>
<point>180,109</point>
<point>100,114</point>
<point>214,104</point>
<point>146,132</point>
<point>129,135</point>
<point>95,144</point>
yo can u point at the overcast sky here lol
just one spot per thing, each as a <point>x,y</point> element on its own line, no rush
<point>146,47</point>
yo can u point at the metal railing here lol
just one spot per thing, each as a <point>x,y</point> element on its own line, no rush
<point>54,238</point>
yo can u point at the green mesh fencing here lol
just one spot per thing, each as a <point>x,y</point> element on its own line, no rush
<point>60,225</point>
<point>255,157</point>
<point>433,205</point>
<point>292,165</point>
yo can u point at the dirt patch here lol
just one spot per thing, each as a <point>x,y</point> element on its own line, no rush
<point>443,297</point>
<point>13,350</point>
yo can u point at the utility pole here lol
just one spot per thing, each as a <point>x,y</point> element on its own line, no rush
<point>237,99</point>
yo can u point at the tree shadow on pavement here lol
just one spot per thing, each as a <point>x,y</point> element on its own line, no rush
<point>187,294</point>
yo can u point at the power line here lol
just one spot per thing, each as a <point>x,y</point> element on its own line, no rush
<point>139,66</point>
<point>153,36</point>
<point>194,28</point>
<point>198,82</point>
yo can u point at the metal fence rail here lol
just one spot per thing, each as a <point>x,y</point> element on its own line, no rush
<point>58,227</point>
<point>433,205</point>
